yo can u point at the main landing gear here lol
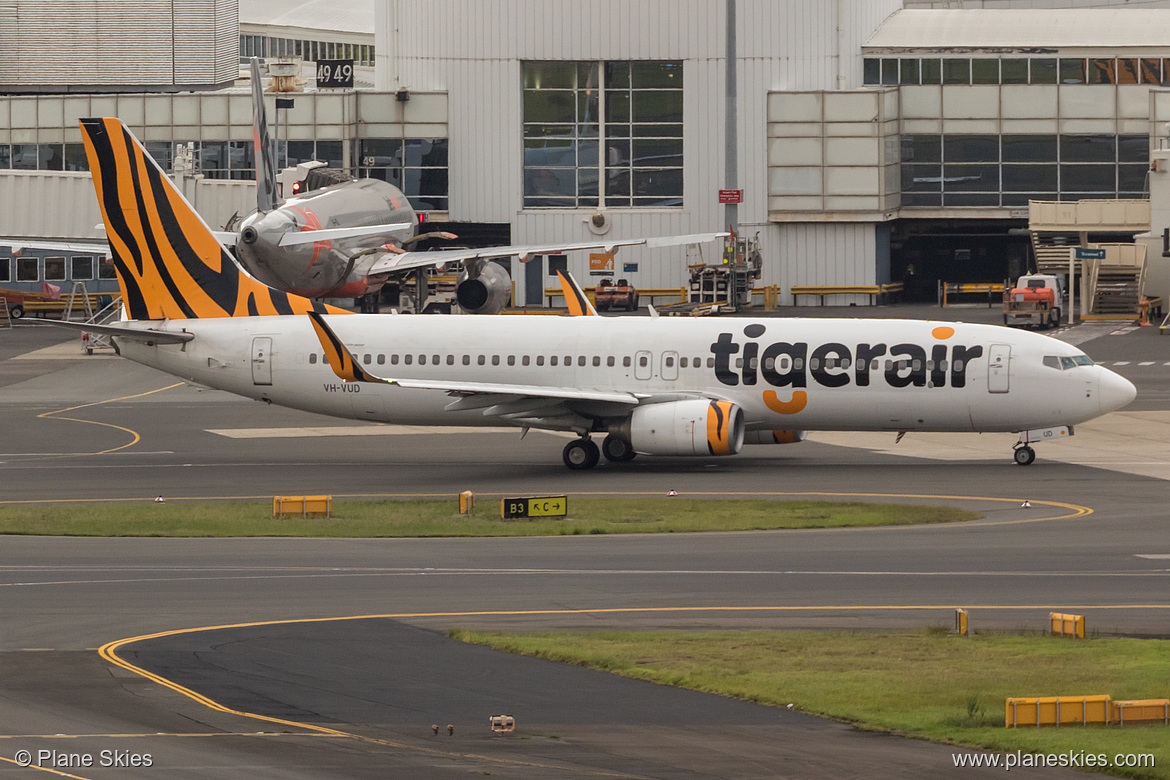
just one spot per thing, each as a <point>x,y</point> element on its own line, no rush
<point>1024,455</point>
<point>583,453</point>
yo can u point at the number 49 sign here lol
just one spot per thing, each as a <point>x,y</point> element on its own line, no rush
<point>334,74</point>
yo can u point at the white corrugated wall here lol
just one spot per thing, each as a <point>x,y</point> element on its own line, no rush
<point>472,49</point>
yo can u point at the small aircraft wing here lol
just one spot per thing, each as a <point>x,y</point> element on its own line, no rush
<point>146,336</point>
<point>349,369</point>
<point>575,298</point>
<point>333,234</point>
<point>97,246</point>
<point>439,257</point>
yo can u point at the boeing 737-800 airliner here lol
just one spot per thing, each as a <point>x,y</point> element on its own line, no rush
<point>655,386</point>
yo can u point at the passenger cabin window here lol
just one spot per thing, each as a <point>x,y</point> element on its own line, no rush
<point>313,358</point>
<point>394,360</point>
<point>682,362</point>
<point>467,360</point>
<point>407,359</point>
<point>381,360</point>
<point>511,360</point>
<point>626,361</point>
<point>581,360</point>
<point>609,361</point>
<point>552,361</point>
<point>495,360</point>
<point>450,360</point>
<point>540,360</point>
<point>481,360</point>
<point>596,360</point>
<point>525,360</point>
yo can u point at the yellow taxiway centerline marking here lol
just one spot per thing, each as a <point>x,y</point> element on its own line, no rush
<point>42,769</point>
<point>137,438</point>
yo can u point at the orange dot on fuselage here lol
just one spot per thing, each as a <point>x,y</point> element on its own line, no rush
<point>943,332</point>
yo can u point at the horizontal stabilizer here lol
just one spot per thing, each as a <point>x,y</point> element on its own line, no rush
<point>333,234</point>
<point>146,336</point>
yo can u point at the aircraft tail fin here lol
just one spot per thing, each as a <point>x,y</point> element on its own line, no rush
<point>169,263</point>
<point>266,199</point>
<point>575,298</point>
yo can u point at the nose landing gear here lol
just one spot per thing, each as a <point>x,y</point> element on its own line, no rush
<point>581,454</point>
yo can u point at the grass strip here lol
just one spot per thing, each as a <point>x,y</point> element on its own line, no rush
<point>923,684</point>
<point>436,517</point>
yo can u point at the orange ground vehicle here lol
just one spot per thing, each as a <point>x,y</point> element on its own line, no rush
<point>1035,300</point>
<point>621,295</point>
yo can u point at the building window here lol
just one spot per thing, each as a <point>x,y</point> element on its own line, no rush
<point>417,166</point>
<point>106,269</point>
<point>54,269</point>
<point>572,158</point>
<point>28,269</point>
<point>5,269</point>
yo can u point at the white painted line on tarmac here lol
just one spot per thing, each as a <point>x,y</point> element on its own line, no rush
<point>1146,363</point>
<point>1155,557</point>
<point>1121,363</point>
<point>354,430</point>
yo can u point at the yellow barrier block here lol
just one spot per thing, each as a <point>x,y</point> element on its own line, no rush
<point>302,505</point>
<point>466,502</point>
<point>1057,711</point>
<point>1067,625</point>
<point>961,622</point>
<point>1133,713</point>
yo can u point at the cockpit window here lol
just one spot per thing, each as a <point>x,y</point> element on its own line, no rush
<point>1065,363</point>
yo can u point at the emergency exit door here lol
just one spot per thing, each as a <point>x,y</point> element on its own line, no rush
<point>998,368</point>
<point>262,360</point>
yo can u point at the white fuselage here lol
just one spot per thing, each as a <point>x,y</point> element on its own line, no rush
<point>791,374</point>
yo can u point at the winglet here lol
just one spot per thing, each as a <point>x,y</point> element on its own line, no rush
<point>266,199</point>
<point>578,303</point>
<point>341,360</point>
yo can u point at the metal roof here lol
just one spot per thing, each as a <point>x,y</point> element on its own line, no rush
<point>349,16</point>
<point>1024,28</point>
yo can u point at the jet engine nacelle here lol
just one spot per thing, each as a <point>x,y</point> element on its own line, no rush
<point>485,290</point>
<point>695,427</point>
<point>774,437</point>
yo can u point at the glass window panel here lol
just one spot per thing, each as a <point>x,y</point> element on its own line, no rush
<point>1103,71</point>
<point>1087,148</point>
<point>549,75</point>
<point>968,199</point>
<point>922,148</point>
<point>24,157</point>
<point>299,152</point>
<point>1151,71</point>
<point>241,155</point>
<point>55,269</point>
<point>107,269</point>
<point>1013,71</point>
<point>214,155</point>
<point>556,131</point>
<point>1132,178</point>
<point>657,106</point>
<point>5,156</point>
<point>549,106</point>
<point>588,106</point>
<point>984,71</point>
<point>617,75</point>
<point>931,71</point>
<point>1133,148</point>
<point>956,71</point>
<point>657,131</point>
<point>1022,198</point>
<point>1072,71</point>
<point>75,159</point>
<point>655,75</point>
<point>550,182</point>
<point>909,72</point>
<point>80,268</point>
<point>922,199</point>
<point>1128,71</point>
<point>587,155</point>
<point>970,178</point>
<point>1029,148</point>
<point>617,182</point>
<point>617,106</point>
<point>1043,70</point>
<point>617,151</point>
<point>51,157</point>
<point>5,269</point>
<point>889,71</point>
<point>871,71</point>
<point>28,269</point>
<point>550,152</point>
<point>160,150</point>
<point>665,183</point>
<point>587,75</point>
<point>329,152</point>
<point>1029,178</point>
<point>921,178</point>
<point>971,148</point>
<point>1088,178</point>
<point>658,152</point>
<point>380,151</point>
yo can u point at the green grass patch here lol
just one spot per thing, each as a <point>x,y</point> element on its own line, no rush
<point>436,517</point>
<point>924,684</point>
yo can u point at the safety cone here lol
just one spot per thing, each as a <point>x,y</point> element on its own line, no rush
<point>160,500</point>
<point>1026,505</point>
<point>672,493</point>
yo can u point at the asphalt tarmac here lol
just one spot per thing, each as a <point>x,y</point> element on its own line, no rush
<point>1093,539</point>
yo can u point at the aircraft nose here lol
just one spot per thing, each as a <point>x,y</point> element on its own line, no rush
<point>1115,391</point>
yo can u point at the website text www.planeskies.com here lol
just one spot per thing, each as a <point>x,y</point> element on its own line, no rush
<point>1069,759</point>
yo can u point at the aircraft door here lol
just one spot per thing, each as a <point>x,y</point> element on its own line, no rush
<point>998,368</point>
<point>262,360</point>
<point>643,365</point>
<point>670,365</point>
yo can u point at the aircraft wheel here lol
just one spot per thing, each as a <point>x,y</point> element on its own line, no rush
<point>1024,455</point>
<point>617,450</point>
<point>581,454</point>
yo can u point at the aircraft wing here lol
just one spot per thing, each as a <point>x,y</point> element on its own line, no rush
<point>440,257</point>
<point>347,367</point>
<point>332,234</point>
<point>97,246</point>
